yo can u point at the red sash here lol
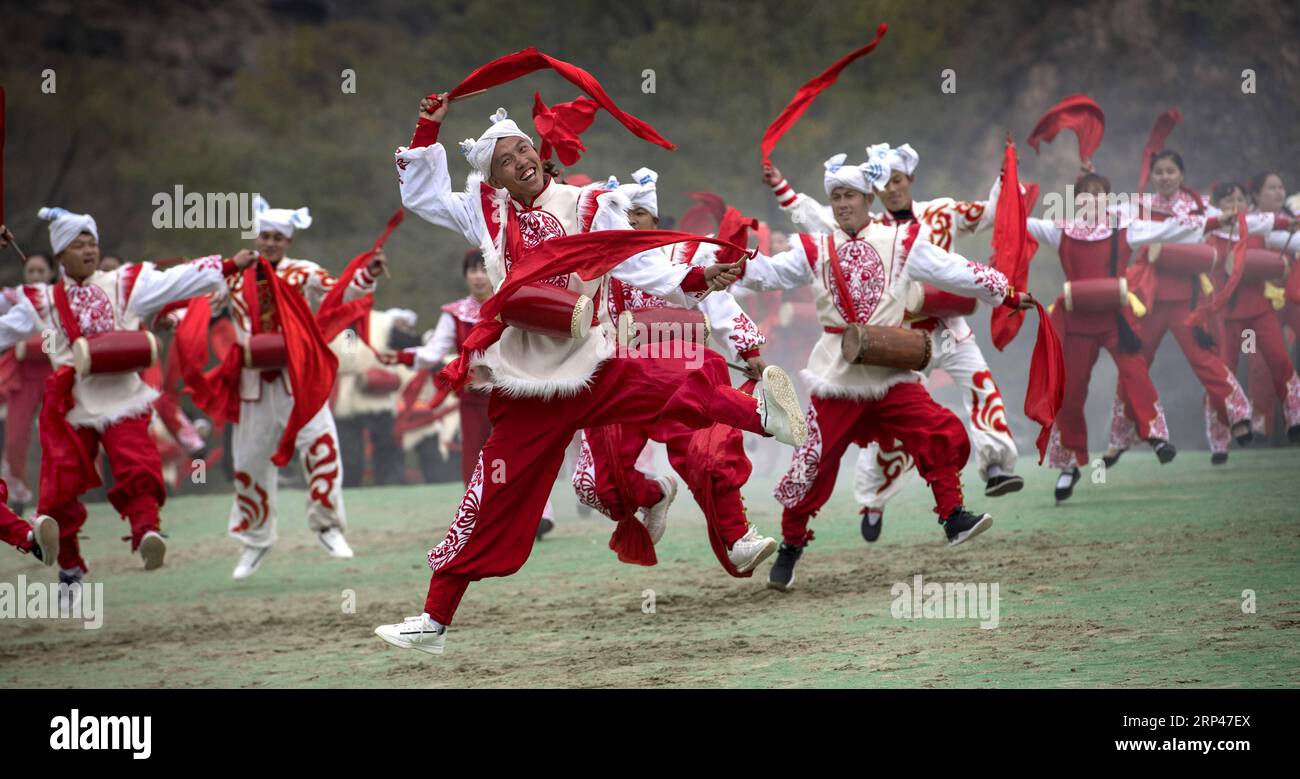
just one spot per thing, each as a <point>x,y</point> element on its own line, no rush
<point>61,485</point>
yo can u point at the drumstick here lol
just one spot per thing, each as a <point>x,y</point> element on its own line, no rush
<point>14,244</point>
<point>438,102</point>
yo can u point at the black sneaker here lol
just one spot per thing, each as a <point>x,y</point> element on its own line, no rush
<point>1002,485</point>
<point>871,530</point>
<point>1242,433</point>
<point>36,552</point>
<point>961,525</point>
<point>1218,458</point>
<point>1109,459</point>
<point>544,527</point>
<point>781,576</point>
<point>1063,493</point>
<point>1165,451</point>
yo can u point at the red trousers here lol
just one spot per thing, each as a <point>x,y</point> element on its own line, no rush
<point>933,436</point>
<point>1135,389</point>
<point>495,526</point>
<point>137,491</point>
<point>1270,345</point>
<point>475,427</point>
<point>1167,316</point>
<point>13,528</point>
<point>24,408</point>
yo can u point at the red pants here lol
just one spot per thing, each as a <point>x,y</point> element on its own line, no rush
<point>475,427</point>
<point>24,408</point>
<point>13,528</point>
<point>933,436</point>
<point>1271,347</point>
<point>1167,316</point>
<point>496,524</point>
<point>137,491</point>
<point>1135,389</point>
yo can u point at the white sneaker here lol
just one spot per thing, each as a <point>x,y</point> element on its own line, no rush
<point>153,547</point>
<point>779,409</point>
<point>70,583</point>
<point>45,539</point>
<point>750,550</point>
<point>250,560</point>
<point>420,633</point>
<point>335,543</point>
<point>655,518</point>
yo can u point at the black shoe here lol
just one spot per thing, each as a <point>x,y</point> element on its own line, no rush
<point>871,530</point>
<point>781,576</point>
<point>1242,433</point>
<point>1218,458</point>
<point>1110,459</point>
<point>37,553</point>
<point>1165,451</point>
<point>544,527</point>
<point>1002,485</point>
<point>1063,493</point>
<point>961,525</point>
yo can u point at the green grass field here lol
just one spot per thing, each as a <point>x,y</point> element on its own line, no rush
<point>1137,582</point>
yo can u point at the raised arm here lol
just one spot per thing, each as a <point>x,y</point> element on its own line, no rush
<point>425,182</point>
<point>154,289</point>
<point>953,273</point>
<point>805,212</point>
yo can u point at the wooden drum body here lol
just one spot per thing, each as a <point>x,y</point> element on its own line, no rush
<point>661,325</point>
<point>550,310</point>
<point>1095,295</point>
<point>886,347</point>
<point>266,352</point>
<point>117,351</point>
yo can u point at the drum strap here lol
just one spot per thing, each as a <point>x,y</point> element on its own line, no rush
<point>1114,253</point>
<point>64,307</point>
<point>251,300</point>
<point>833,257</point>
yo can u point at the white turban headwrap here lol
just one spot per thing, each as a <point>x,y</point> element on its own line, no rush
<point>280,220</point>
<point>856,177</point>
<point>642,192</point>
<point>904,159</point>
<point>65,226</point>
<point>479,152</point>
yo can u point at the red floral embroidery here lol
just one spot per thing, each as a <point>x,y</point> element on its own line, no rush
<point>864,272</point>
<point>584,478</point>
<point>462,527</point>
<point>745,334</point>
<point>990,415</point>
<point>92,308</point>
<point>796,482</point>
<point>322,459</point>
<point>254,508</point>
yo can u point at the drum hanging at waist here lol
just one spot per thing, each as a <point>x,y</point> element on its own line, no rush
<point>266,352</point>
<point>664,324</point>
<point>118,351</point>
<point>1262,265</point>
<point>550,310</point>
<point>1182,259</point>
<point>886,347</point>
<point>379,381</point>
<point>31,349</point>
<point>1095,295</point>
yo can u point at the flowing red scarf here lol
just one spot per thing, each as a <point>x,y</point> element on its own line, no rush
<point>1079,113</point>
<point>704,217</point>
<point>590,255</point>
<point>1013,246</point>
<point>334,316</point>
<point>561,126</point>
<point>521,63</point>
<point>62,485</point>
<point>1164,125</point>
<point>1219,300</point>
<point>807,93</point>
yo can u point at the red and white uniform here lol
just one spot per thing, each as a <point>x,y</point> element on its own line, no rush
<point>110,410</point>
<point>545,388</point>
<point>23,406</point>
<point>266,400</point>
<point>882,266</point>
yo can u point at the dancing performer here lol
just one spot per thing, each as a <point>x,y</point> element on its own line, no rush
<point>32,369</point>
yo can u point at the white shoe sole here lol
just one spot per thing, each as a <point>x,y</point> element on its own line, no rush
<point>256,565</point>
<point>777,388</point>
<point>763,553</point>
<point>45,533</point>
<point>434,649</point>
<point>984,524</point>
<point>337,555</point>
<point>153,548</point>
<point>669,485</point>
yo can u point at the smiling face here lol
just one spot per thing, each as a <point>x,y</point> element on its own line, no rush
<point>81,257</point>
<point>517,166</point>
<point>851,208</point>
<point>1166,177</point>
<point>272,245</point>
<point>1272,195</point>
<point>641,219</point>
<point>897,195</point>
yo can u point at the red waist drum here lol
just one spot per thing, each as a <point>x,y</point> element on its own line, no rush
<point>887,347</point>
<point>1263,265</point>
<point>378,381</point>
<point>118,351</point>
<point>550,310</point>
<point>937,303</point>
<point>1095,295</point>
<point>31,349</point>
<point>661,325</point>
<point>266,352</point>
<point>1183,259</point>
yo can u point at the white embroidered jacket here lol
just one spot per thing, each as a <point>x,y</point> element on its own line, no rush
<point>306,277</point>
<point>883,274</point>
<point>527,363</point>
<point>121,299</point>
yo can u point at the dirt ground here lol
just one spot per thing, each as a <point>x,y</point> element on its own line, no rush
<point>1139,581</point>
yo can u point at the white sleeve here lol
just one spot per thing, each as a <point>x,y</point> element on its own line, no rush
<point>1260,223</point>
<point>154,288</point>
<point>19,322</point>
<point>1044,231</point>
<point>809,216</point>
<point>428,356</point>
<point>731,327</point>
<point>953,273</point>
<point>652,270</point>
<point>1283,240</point>
<point>787,270</point>
<point>425,184</point>
<point>1143,231</point>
